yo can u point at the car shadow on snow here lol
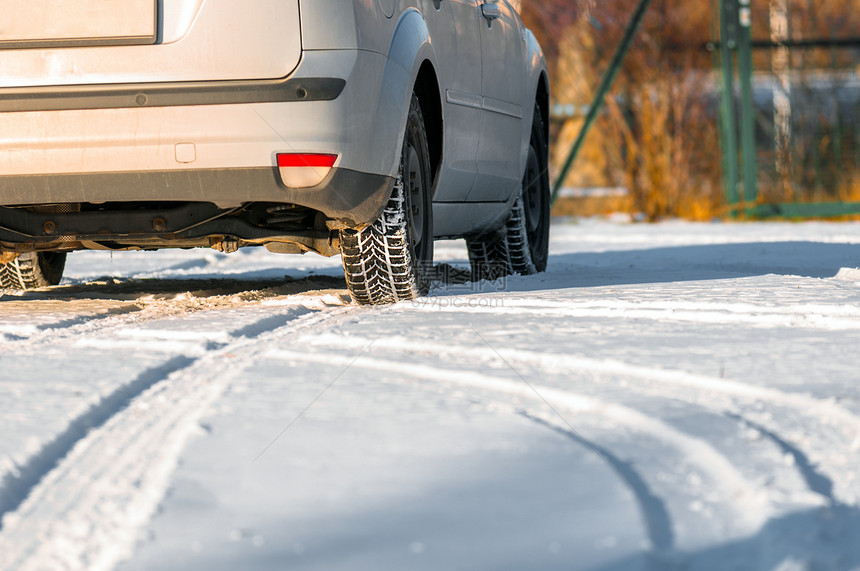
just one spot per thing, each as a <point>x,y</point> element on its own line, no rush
<point>676,264</point>
<point>820,538</point>
<point>708,262</point>
<point>572,270</point>
<point>130,289</point>
<point>501,510</point>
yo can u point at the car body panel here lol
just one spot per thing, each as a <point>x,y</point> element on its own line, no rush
<point>79,131</point>
<point>43,23</point>
<point>223,136</point>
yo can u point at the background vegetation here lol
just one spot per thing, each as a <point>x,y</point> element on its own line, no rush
<point>659,135</point>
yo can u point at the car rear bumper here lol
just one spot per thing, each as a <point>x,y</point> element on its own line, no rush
<point>215,142</point>
<point>351,198</point>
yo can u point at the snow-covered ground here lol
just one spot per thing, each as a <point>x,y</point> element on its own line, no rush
<point>675,396</point>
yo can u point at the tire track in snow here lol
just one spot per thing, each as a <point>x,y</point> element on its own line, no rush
<point>552,362</point>
<point>24,324</point>
<point>749,504</point>
<point>88,319</point>
<point>815,480</point>
<point>16,486</point>
<point>655,513</point>
<point>823,414</point>
<point>87,510</point>
<point>97,315</point>
<point>813,316</point>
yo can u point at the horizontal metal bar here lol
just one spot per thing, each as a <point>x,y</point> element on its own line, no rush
<point>803,210</point>
<point>793,44</point>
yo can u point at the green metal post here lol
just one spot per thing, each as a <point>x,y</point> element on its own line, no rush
<point>728,43</point>
<point>839,132</point>
<point>816,161</point>
<point>605,86</point>
<point>745,71</point>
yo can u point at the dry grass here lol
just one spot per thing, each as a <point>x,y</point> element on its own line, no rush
<point>592,206</point>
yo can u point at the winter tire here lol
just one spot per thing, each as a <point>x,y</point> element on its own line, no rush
<point>521,244</point>
<point>33,270</point>
<point>392,259</point>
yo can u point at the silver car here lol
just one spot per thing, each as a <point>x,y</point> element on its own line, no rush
<point>366,128</point>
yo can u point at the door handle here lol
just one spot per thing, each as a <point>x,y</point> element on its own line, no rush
<point>491,12</point>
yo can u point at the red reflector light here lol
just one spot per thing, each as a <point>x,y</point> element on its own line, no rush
<point>306,160</point>
<point>304,170</point>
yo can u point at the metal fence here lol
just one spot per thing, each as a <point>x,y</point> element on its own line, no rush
<point>791,107</point>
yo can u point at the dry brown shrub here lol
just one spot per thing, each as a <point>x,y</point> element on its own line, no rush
<point>658,136</point>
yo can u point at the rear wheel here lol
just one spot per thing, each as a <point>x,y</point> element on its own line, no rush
<point>33,270</point>
<point>392,259</point>
<point>521,245</point>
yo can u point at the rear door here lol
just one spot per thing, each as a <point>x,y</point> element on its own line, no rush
<point>91,42</point>
<point>503,89</point>
<point>44,23</point>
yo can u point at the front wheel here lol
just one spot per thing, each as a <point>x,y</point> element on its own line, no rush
<point>33,270</point>
<point>521,245</point>
<point>392,259</point>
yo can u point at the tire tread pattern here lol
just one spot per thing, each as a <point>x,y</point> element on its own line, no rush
<point>32,270</point>
<point>377,261</point>
<point>506,250</point>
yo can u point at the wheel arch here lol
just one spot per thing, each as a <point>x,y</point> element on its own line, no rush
<point>410,67</point>
<point>542,100</point>
<point>429,97</point>
<point>537,78</point>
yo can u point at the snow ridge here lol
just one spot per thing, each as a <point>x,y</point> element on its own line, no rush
<point>827,317</point>
<point>87,511</point>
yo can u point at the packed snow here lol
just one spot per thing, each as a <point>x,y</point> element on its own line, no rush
<point>670,396</point>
